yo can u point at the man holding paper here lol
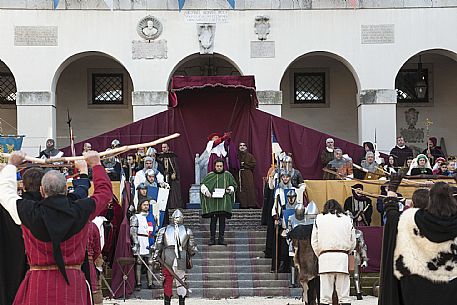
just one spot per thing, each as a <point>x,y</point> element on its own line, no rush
<point>217,196</point>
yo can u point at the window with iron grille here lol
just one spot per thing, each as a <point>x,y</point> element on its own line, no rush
<point>7,89</point>
<point>107,88</point>
<point>309,88</point>
<point>406,83</point>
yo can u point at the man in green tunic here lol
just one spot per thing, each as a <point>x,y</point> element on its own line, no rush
<point>217,196</point>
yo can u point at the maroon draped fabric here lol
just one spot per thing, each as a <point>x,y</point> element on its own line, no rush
<point>123,249</point>
<point>205,109</point>
<point>373,239</point>
<point>179,83</point>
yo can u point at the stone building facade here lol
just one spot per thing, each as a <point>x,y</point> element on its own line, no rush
<point>353,69</point>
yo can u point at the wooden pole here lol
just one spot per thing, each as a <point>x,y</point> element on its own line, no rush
<point>111,152</point>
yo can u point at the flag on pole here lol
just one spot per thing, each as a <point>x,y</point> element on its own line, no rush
<point>56,3</point>
<point>231,3</point>
<point>181,4</point>
<point>275,147</point>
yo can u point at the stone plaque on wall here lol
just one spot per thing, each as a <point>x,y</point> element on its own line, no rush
<point>262,49</point>
<point>149,50</point>
<point>35,36</point>
<point>377,33</point>
<point>206,16</point>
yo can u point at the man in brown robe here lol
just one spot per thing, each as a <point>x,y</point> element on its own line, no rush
<point>245,178</point>
<point>168,165</point>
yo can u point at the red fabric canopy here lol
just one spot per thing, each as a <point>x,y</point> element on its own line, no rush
<point>219,108</point>
<point>179,83</point>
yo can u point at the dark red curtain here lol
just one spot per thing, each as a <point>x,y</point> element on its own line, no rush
<point>220,108</point>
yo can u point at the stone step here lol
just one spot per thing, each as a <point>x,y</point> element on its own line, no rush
<point>232,247</point>
<point>265,268</point>
<point>234,234</point>
<point>227,254</point>
<point>213,262</point>
<point>224,292</point>
<point>233,240</point>
<point>230,227</point>
<point>216,284</point>
<point>225,276</point>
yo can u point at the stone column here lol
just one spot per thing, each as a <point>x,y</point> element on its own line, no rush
<point>377,114</point>
<point>270,101</point>
<point>36,119</point>
<point>147,103</point>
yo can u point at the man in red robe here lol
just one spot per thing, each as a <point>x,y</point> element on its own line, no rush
<point>55,232</point>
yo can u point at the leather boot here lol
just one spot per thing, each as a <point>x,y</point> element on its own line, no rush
<point>182,300</point>
<point>212,229</point>
<point>166,300</point>
<point>359,296</point>
<point>221,240</point>
<point>212,241</point>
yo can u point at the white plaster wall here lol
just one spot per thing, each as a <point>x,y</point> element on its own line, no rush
<point>443,112</point>
<point>72,93</point>
<point>295,33</point>
<point>340,117</point>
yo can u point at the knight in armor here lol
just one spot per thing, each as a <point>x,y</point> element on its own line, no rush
<point>175,244</point>
<point>360,261</point>
<point>284,201</point>
<point>299,229</point>
<point>296,177</point>
<point>140,233</point>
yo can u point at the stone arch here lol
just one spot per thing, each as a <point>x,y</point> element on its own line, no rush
<point>94,87</point>
<point>331,106</point>
<point>205,64</point>
<point>440,70</point>
<point>8,100</point>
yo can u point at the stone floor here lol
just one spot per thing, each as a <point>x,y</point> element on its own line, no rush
<point>368,300</point>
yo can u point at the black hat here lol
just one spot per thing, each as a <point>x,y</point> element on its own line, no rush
<point>358,186</point>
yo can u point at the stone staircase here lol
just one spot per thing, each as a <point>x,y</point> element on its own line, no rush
<point>232,271</point>
<point>238,269</point>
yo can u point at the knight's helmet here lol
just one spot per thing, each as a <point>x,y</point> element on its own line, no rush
<point>300,211</point>
<point>291,197</point>
<point>115,143</point>
<point>311,212</point>
<point>286,163</point>
<point>178,217</point>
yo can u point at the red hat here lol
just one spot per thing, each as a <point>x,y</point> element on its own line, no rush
<point>210,137</point>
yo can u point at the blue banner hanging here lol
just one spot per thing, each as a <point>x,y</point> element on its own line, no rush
<point>10,143</point>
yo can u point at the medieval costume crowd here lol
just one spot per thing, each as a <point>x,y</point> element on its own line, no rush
<point>71,236</point>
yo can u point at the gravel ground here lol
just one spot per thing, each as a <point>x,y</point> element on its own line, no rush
<point>368,300</point>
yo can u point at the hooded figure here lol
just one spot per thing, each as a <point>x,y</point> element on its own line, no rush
<point>420,166</point>
<point>50,151</point>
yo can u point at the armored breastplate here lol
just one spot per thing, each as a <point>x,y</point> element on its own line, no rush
<point>169,236</point>
<point>295,222</point>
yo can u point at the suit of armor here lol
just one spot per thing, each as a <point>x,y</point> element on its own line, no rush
<point>360,261</point>
<point>302,216</point>
<point>174,244</point>
<point>139,233</point>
